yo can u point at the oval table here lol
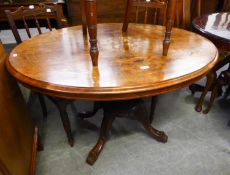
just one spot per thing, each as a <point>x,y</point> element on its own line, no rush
<point>131,66</point>
<point>216,27</point>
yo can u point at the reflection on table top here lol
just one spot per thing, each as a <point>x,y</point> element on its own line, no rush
<point>216,25</point>
<point>130,65</point>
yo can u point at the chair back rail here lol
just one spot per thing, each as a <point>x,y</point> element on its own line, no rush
<point>35,12</point>
<point>153,9</point>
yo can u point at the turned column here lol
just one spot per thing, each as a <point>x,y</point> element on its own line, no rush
<point>91,20</point>
<point>169,24</point>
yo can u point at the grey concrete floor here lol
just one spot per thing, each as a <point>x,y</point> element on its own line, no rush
<point>198,144</point>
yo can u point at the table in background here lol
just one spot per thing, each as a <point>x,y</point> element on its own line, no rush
<point>215,27</point>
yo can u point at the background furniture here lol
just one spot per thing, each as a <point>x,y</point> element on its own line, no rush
<point>107,13</point>
<point>216,28</point>
<point>18,136</point>
<point>14,5</point>
<point>34,13</point>
<point>121,57</point>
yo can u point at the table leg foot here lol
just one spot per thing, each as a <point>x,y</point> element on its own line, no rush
<point>94,153</point>
<point>142,116</point>
<point>104,132</point>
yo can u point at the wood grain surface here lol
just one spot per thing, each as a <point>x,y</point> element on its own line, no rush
<point>130,65</point>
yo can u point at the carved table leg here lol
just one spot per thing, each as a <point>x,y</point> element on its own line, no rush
<point>142,116</point>
<point>91,19</point>
<point>104,132</point>
<point>61,105</point>
<point>134,109</point>
<point>211,77</point>
<point>171,10</point>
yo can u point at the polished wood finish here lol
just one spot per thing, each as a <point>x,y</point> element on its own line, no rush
<point>33,12</point>
<point>121,57</point>
<point>171,8</point>
<point>158,7</point>
<point>91,20</point>
<point>216,28</point>
<point>14,6</point>
<point>18,136</point>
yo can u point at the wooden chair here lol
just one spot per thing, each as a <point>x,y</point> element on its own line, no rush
<point>155,10</point>
<point>33,13</point>
<point>18,135</point>
<point>159,6</point>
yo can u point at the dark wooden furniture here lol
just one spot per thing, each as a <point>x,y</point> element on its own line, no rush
<point>121,57</point>
<point>216,28</point>
<point>154,11</point>
<point>91,20</point>
<point>35,13</point>
<point>12,6</point>
<point>107,13</point>
<point>18,135</point>
<point>171,10</point>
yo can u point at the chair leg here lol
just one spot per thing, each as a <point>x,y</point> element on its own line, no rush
<point>142,117</point>
<point>211,77</point>
<point>61,105</point>
<point>43,105</point>
<point>171,11</point>
<point>83,17</point>
<point>219,83</point>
